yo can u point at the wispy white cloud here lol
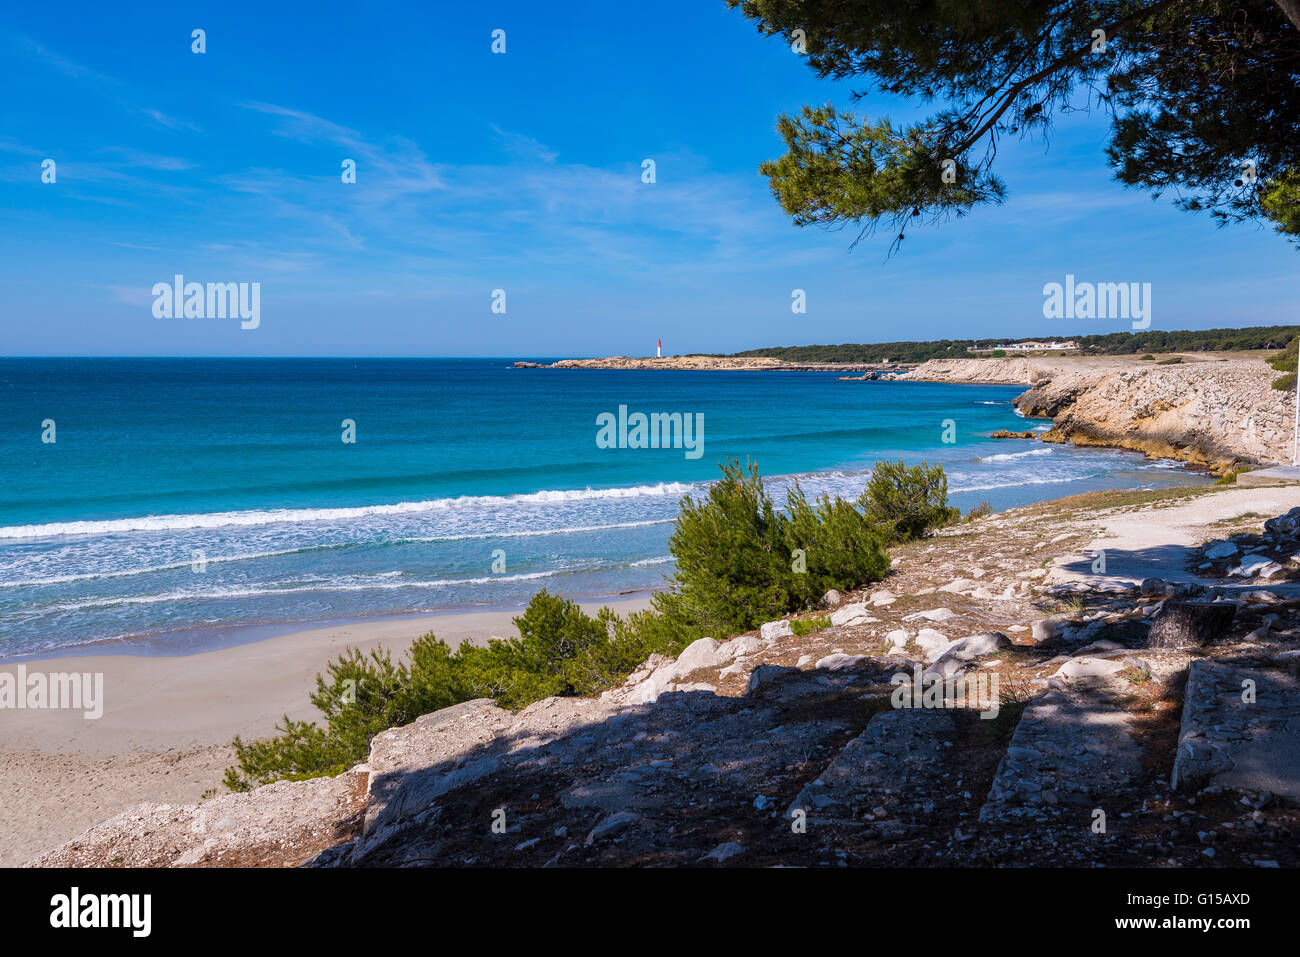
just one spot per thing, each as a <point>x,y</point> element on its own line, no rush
<point>525,146</point>
<point>130,156</point>
<point>103,83</point>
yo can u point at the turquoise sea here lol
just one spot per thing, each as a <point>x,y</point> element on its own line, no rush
<point>184,504</point>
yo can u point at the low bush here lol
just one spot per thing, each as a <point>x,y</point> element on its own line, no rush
<point>1285,361</point>
<point>741,561</point>
<point>904,503</point>
<point>806,626</point>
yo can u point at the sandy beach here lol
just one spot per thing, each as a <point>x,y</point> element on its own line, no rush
<point>168,721</point>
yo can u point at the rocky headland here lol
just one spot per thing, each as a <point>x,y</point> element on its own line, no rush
<point>1215,412</point>
<point>714,364</point>
<point>1121,627</point>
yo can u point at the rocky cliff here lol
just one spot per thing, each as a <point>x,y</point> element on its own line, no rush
<point>1217,413</point>
<point>1224,416</point>
<point>1012,371</point>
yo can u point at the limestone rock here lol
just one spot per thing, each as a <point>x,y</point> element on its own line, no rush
<point>1219,550</point>
<point>839,661</point>
<point>281,824</point>
<point>432,741</point>
<point>937,615</point>
<point>1256,565</point>
<point>703,653</point>
<point>854,614</point>
<point>1251,744</point>
<point>744,645</point>
<point>1284,526</point>
<point>1088,668</point>
<point>932,643</point>
<point>613,825</point>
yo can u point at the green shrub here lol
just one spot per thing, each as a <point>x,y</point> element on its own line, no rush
<point>982,510</point>
<point>1148,358</point>
<point>999,353</point>
<point>741,561</point>
<point>1176,360</point>
<point>1285,361</point>
<point>364,694</point>
<point>806,626</point>
<point>904,503</point>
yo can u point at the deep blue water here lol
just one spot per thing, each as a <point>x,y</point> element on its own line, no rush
<point>185,498</point>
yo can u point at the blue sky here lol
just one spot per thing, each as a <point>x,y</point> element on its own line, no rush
<point>522,171</point>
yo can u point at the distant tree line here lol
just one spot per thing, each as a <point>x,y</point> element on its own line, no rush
<point>1112,344</point>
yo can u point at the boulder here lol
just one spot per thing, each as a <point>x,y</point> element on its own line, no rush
<point>776,629</point>
<point>832,598</point>
<point>898,639</point>
<point>1088,668</point>
<point>840,661</point>
<point>977,646</point>
<point>883,597</point>
<point>1046,628</point>
<point>1284,526</point>
<point>932,614</point>
<point>744,645</point>
<point>854,614</point>
<point>1217,550</point>
<point>613,825</point>
<point>932,643</point>
<point>1253,565</point>
<point>704,653</point>
<point>965,650</point>
<point>408,764</point>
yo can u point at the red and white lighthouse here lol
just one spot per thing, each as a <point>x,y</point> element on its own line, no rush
<point>659,348</point>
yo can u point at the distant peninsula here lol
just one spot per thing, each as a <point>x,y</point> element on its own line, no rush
<point>716,364</point>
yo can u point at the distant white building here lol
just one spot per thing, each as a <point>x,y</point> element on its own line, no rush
<point>1055,345</point>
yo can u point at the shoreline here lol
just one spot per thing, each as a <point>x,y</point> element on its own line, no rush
<point>1148,536</point>
<point>168,720</point>
<point>154,644</point>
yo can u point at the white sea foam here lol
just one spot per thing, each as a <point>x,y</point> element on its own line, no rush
<point>1012,456</point>
<point>155,523</point>
<point>253,556</point>
<point>324,585</point>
